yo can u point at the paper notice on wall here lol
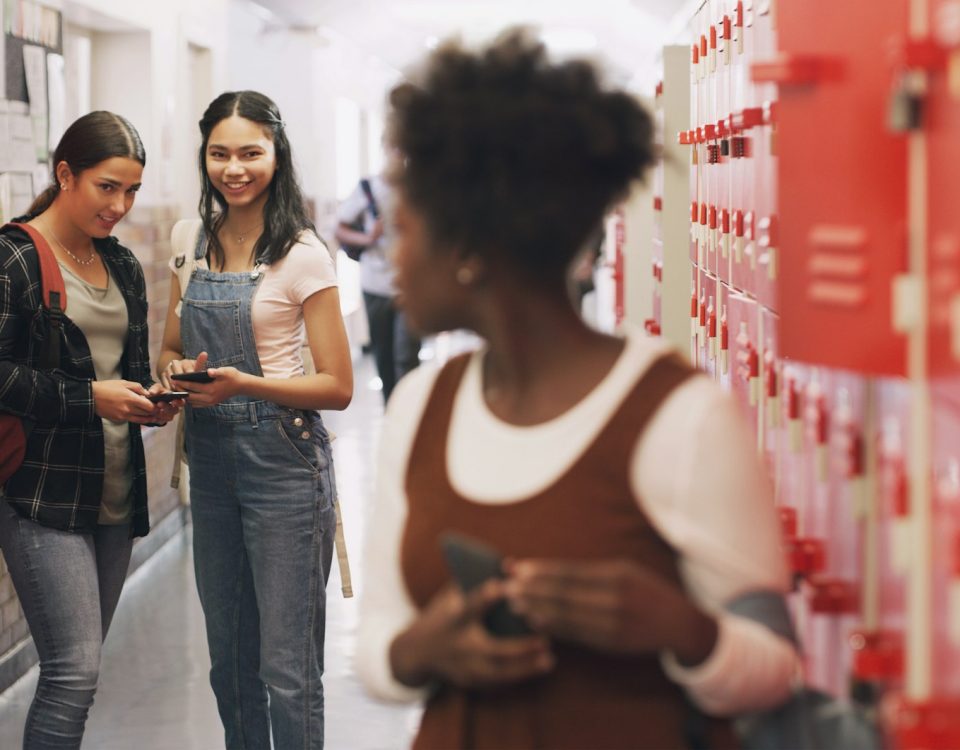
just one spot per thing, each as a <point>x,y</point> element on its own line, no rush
<point>56,98</point>
<point>35,70</point>
<point>6,198</point>
<point>22,192</point>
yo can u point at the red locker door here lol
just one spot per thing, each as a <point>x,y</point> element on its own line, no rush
<point>842,182</point>
<point>942,126</point>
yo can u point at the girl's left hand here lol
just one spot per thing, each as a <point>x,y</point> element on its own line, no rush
<point>226,384</point>
<point>164,411</point>
<point>615,606</point>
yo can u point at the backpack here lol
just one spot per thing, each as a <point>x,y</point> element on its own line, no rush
<point>355,251</point>
<point>13,435</point>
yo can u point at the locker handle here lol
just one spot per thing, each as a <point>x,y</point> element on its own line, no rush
<point>796,70</point>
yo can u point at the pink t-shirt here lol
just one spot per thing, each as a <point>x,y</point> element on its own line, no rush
<point>278,304</point>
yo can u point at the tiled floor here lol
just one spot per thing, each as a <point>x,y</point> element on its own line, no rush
<point>154,693</point>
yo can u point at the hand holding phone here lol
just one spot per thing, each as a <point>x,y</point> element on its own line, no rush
<point>200,376</point>
<point>164,398</point>
<point>471,563</point>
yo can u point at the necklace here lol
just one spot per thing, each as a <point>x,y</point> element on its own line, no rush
<point>87,262</point>
<point>242,235</point>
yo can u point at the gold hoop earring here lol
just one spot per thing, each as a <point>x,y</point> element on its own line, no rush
<point>465,276</point>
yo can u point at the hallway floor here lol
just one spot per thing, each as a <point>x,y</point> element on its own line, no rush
<point>154,693</point>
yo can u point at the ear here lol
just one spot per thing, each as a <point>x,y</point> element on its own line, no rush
<point>65,177</point>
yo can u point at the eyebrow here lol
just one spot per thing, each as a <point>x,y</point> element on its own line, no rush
<point>117,183</point>
<point>240,148</point>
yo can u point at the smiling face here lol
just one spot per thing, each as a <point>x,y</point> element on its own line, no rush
<point>240,161</point>
<point>99,196</point>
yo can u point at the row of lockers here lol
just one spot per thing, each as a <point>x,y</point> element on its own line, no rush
<point>823,260</point>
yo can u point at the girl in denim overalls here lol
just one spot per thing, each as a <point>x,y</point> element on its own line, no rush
<point>261,469</point>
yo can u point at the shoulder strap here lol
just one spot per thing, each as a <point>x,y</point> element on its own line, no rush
<point>53,293</point>
<point>368,191</point>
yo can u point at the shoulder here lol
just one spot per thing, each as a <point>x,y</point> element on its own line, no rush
<point>183,232</point>
<point>308,255</point>
<point>409,398</point>
<point>18,256</point>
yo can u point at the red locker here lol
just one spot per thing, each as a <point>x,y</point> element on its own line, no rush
<point>842,182</point>
<point>942,125</point>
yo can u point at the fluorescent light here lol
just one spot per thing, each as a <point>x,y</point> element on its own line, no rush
<point>568,41</point>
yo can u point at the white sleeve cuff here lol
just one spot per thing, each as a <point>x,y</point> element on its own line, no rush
<point>373,668</point>
<point>750,668</point>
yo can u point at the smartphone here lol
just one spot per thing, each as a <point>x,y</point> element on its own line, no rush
<point>169,396</point>
<point>471,563</point>
<point>200,376</point>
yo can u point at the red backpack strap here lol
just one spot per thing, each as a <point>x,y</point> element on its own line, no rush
<point>53,293</point>
<point>50,277</point>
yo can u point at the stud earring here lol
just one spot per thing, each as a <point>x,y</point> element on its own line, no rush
<point>465,276</point>
<point>63,186</point>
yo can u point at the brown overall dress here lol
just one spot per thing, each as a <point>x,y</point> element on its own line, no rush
<point>590,700</point>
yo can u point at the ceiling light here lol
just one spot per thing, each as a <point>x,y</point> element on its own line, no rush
<point>568,41</point>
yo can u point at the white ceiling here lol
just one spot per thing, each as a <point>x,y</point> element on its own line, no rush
<point>627,33</point>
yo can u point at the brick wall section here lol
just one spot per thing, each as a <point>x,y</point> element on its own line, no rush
<point>146,231</point>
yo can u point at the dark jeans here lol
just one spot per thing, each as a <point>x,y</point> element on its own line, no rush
<point>68,585</point>
<point>396,349</point>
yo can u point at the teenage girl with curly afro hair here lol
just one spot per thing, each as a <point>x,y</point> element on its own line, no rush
<point>619,486</point>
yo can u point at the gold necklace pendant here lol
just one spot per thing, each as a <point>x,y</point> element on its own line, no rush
<point>87,262</point>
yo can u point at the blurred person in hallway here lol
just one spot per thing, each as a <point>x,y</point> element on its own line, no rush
<point>70,512</point>
<point>262,486</point>
<point>395,347</point>
<point>620,485</point>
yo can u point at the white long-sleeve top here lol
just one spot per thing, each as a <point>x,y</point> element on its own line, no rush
<point>694,472</point>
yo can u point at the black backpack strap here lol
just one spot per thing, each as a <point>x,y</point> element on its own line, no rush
<point>368,191</point>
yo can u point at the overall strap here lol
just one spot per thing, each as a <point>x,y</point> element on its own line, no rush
<point>53,293</point>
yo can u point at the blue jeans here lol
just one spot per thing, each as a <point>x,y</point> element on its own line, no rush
<point>68,585</point>
<point>261,489</point>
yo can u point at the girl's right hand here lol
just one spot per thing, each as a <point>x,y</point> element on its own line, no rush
<point>182,365</point>
<point>122,401</point>
<point>448,642</point>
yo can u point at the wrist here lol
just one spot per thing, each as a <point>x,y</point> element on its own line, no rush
<point>408,661</point>
<point>695,638</point>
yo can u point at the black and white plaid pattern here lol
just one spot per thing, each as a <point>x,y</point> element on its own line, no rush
<point>61,480</point>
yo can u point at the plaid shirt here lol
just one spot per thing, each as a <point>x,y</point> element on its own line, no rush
<point>61,480</point>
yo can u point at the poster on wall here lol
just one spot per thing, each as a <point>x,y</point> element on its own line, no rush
<point>35,71</point>
<point>27,23</point>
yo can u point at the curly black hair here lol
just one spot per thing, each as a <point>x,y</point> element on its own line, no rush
<point>511,156</point>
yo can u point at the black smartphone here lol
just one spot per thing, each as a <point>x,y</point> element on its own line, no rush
<point>169,396</point>
<point>471,563</point>
<point>200,376</point>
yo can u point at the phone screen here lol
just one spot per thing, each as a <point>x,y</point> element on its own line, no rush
<point>471,563</point>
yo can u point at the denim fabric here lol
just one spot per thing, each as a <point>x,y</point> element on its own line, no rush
<point>396,349</point>
<point>262,489</point>
<point>68,585</point>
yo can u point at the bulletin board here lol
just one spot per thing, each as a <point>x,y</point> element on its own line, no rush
<point>33,100</point>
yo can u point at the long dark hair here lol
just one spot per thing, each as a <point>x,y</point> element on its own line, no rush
<point>88,141</point>
<point>284,215</point>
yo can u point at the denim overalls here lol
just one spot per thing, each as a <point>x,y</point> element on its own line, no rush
<point>262,489</point>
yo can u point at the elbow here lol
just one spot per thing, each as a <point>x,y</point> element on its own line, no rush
<point>342,397</point>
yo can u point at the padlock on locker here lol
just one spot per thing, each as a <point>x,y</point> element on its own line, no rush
<point>724,343</point>
<point>818,426</point>
<point>794,413</point>
<point>711,330</point>
<point>727,37</point>
<point>771,388</point>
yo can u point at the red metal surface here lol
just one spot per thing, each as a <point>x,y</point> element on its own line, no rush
<point>842,179</point>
